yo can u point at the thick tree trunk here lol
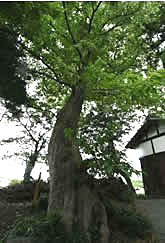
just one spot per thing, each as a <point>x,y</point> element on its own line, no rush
<point>76,196</point>
<point>64,159</point>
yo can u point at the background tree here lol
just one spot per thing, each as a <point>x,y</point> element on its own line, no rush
<point>35,125</point>
<point>155,34</point>
<point>12,79</point>
<point>89,51</point>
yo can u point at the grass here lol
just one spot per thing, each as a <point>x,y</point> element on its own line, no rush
<point>142,196</point>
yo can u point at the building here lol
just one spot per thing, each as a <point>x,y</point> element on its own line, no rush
<point>150,141</point>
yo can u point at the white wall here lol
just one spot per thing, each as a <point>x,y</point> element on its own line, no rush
<point>145,148</point>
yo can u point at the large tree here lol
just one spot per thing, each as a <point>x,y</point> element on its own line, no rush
<point>89,51</point>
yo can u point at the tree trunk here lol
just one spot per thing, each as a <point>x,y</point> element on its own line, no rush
<point>75,195</point>
<point>28,171</point>
<point>30,164</point>
<point>64,159</point>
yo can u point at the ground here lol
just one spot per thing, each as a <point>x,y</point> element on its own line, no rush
<point>155,210</point>
<point>9,212</point>
<point>16,202</point>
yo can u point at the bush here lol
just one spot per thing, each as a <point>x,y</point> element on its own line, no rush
<point>132,223</point>
<point>14,182</point>
<point>40,227</point>
<point>46,230</point>
<point>142,196</point>
<point>127,196</point>
<point>43,202</point>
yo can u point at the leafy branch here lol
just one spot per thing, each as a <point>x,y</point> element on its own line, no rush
<point>40,58</point>
<point>93,14</point>
<point>107,22</point>
<point>70,31</point>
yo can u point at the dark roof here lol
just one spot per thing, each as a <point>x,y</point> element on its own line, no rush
<point>149,122</point>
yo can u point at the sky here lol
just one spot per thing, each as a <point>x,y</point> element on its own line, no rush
<point>14,169</point>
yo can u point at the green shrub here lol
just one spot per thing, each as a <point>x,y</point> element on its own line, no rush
<point>43,202</point>
<point>127,196</point>
<point>132,223</point>
<point>47,230</point>
<point>40,227</point>
<point>50,228</point>
<point>142,196</point>
<point>14,181</point>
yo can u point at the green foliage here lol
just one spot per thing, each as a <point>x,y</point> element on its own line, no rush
<point>12,71</point>
<point>68,132</point>
<point>101,129</point>
<point>14,181</point>
<point>46,228</point>
<point>92,42</point>
<point>137,225</point>
<point>131,222</point>
<point>142,196</point>
<point>42,204</point>
<point>98,44</point>
<point>127,196</point>
<point>137,183</point>
<point>155,33</point>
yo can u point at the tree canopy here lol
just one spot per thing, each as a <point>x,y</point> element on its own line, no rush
<point>12,80</point>
<point>100,45</point>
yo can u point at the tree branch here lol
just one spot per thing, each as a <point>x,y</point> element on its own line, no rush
<point>116,17</point>
<point>93,14</point>
<point>26,128</point>
<point>40,58</point>
<point>110,29</point>
<point>69,29</point>
<point>3,116</point>
<point>42,144</point>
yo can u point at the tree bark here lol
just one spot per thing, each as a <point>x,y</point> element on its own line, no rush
<point>74,194</point>
<point>30,164</point>
<point>64,159</point>
<point>28,171</point>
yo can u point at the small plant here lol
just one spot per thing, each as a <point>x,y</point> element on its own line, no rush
<point>142,196</point>
<point>138,184</point>
<point>14,182</point>
<point>45,228</point>
<point>43,202</point>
